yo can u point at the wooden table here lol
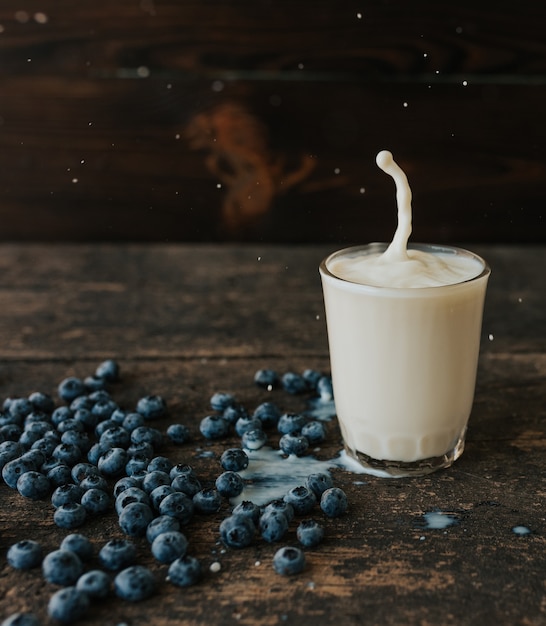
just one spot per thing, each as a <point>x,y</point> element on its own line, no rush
<point>186,321</point>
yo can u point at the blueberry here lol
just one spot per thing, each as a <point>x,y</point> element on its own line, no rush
<point>11,432</point>
<point>207,501</point>
<point>185,571</point>
<point>178,505</point>
<point>135,583</point>
<point>288,561</point>
<point>82,470</point>
<point>333,502</point>
<point>155,479</point>
<point>12,470</point>
<point>33,485</point>
<point>178,433</point>
<point>77,438</point>
<point>315,432</point>
<point>95,452</point>
<point>161,464</point>
<point>104,409</point>
<point>318,482</point>
<point>19,407</point>
<point>182,468</point>
<point>67,453</point>
<point>81,402</point>
<point>94,481</point>
<point>118,416</point>
<point>117,554</point>
<point>247,423</point>
<point>68,493</point>
<point>125,483</point>
<point>145,448</point>
<point>95,583</point>
<point>70,388</point>
<point>233,413</point>
<point>137,463</point>
<point>234,460</point>
<point>115,437</point>
<point>237,531</point>
<point>186,483</point>
<point>292,443</point>
<point>109,370</point>
<point>103,426</point>
<point>249,509</point>
<point>290,423</point>
<point>46,445</point>
<point>113,462</point>
<point>293,383</point>
<point>25,554</point>
<point>134,518</point>
<point>311,377</point>
<point>9,450</point>
<point>169,546</point>
<point>92,383</point>
<point>95,501</point>
<point>152,407</point>
<point>62,567</point>
<point>325,389</point>
<point>70,424</point>
<point>310,533</point>
<point>68,605</point>
<point>221,400</point>
<point>229,484</point>
<point>78,543</point>
<point>302,499</point>
<point>273,526</point>
<point>282,507</point>
<point>70,515</point>
<point>266,378</point>
<point>100,395</point>
<point>161,524</point>
<point>254,439</point>
<point>214,427</point>
<point>21,619</point>
<point>132,421</point>
<point>158,494</point>
<point>59,474</point>
<point>268,413</point>
<point>129,496</point>
<point>146,434</point>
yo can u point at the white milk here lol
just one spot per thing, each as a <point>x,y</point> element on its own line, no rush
<point>404,331</point>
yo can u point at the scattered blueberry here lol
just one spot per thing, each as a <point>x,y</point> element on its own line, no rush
<point>302,499</point>
<point>70,388</point>
<point>135,517</point>
<point>152,407</point>
<point>273,526</point>
<point>155,479</point>
<point>185,571</point>
<point>25,554</point>
<point>158,494</point>
<point>68,605</point>
<point>95,501</point>
<point>267,379</point>
<point>68,493</point>
<point>186,483</point>
<point>221,400</point>
<point>108,370</point>
<point>62,567</point>
<point>178,505</point>
<point>207,501</point>
<point>130,495</point>
<point>117,554</point>
<point>282,507</point>
<point>314,431</point>
<point>293,444</point>
<point>113,462</point>
<point>214,427</point>
<point>268,413</point>
<point>95,583</point>
<point>254,439</point>
<point>33,485</point>
<point>234,460</point>
<point>78,543</point>
<point>169,546</point>
<point>310,533</point>
<point>161,524</point>
<point>288,561</point>
<point>290,423</point>
<point>229,484</point>
<point>245,423</point>
<point>70,515</point>
<point>318,482</point>
<point>293,383</point>
<point>333,502</point>
<point>135,583</point>
<point>237,531</point>
<point>178,433</point>
<point>311,377</point>
<point>147,434</point>
<point>248,508</point>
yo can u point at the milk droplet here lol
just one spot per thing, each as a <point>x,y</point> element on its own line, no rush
<point>465,83</point>
<point>359,16</point>
<point>41,18</point>
<point>217,85</point>
<point>490,337</point>
<point>337,170</point>
<point>143,71</point>
<point>215,567</point>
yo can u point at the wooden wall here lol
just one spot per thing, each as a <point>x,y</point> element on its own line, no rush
<point>206,120</point>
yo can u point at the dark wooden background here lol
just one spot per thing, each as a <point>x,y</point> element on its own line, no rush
<point>259,120</point>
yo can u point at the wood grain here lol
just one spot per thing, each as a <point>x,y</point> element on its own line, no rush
<point>185,321</point>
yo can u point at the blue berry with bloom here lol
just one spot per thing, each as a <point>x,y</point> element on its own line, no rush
<point>314,432</point>
<point>62,567</point>
<point>294,383</point>
<point>281,506</point>
<point>108,370</point>
<point>70,515</point>
<point>311,377</point>
<point>268,413</point>
<point>185,571</point>
<point>250,509</point>
<point>273,526</point>
<point>290,423</point>
<point>33,485</point>
<point>229,484</point>
<point>237,531</point>
<point>70,388</point>
<point>245,423</point>
<point>68,605</point>
<point>95,583</point>
<point>135,583</point>
<point>293,444</point>
<point>161,524</point>
<point>152,407</point>
<point>266,379</point>
<point>310,533</point>
<point>207,501</point>
<point>178,505</point>
<point>147,434</point>
<point>234,412</point>
<point>117,554</point>
<point>186,483</point>
<point>78,543</point>
<point>333,502</point>
<point>169,546</point>
<point>67,493</point>
<point>96,501</point>
<point>302,499</point>
<point>154,479</point>
<point>221,400</point>
<point>214,427</point>
<point>112,462</point>
<point>254,439</point>
<point>41,401</point>
<point>234,460</point>
<point>318,482</point>
<point>25,554</point>
<point>288,561</point>
<point>134,519</point>
<point>178,433</point>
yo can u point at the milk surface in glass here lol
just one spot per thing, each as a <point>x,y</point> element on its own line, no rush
<point>404,327</point>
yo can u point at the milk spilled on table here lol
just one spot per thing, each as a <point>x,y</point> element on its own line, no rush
<point>404,326</point>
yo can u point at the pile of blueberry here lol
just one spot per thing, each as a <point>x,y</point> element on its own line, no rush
<point>89,456</point>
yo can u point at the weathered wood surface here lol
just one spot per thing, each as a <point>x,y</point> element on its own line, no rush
<point>185,321</point>
<point>121,122</point>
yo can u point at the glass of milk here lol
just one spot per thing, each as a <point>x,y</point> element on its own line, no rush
<point>404,329</point>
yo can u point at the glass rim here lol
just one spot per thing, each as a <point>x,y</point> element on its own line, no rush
<point>380,247</point>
